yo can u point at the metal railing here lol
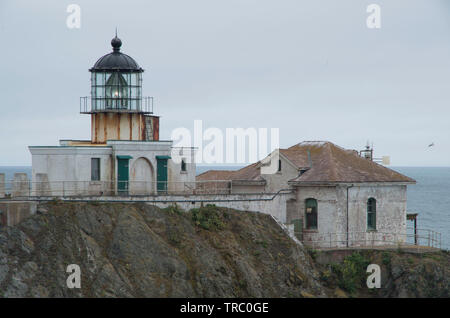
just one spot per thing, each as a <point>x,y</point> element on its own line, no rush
<point>317,240</point>
<point>22,189</point>
<point>90,105</point>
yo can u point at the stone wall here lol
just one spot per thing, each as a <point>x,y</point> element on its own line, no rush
<point>21,185</point>
<point>12,213</point>
<point>263,203</point>
<point>332,215</point>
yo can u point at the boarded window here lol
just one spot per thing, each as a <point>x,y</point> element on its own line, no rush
<point>371,214</point>
<point>95,169</point>
<point>311,214</point>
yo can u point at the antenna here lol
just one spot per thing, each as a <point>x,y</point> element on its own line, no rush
<point>367,153</point>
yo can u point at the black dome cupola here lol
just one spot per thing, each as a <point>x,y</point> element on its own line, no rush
<point>116,60</point>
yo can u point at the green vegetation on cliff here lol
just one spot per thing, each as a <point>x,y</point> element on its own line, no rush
<point>403,274</point>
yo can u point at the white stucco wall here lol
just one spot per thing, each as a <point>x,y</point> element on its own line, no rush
<point>242,188</point>
<point>180,181</point>
<point>279,180</point>
<point>390,213</point>
<point>332,214</point>
<point>67,169</point>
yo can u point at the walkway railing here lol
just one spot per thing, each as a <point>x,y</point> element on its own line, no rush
<point>18,189</point>
<point>89,105</point>
<point>423,237</point>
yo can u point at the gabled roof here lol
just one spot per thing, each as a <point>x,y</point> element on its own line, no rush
<point>248,173</point>
<point>215,175</point>
<point>320,162</point>
<point>332,164</point>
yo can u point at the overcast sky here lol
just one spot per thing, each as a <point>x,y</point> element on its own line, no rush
<point>311,68</point>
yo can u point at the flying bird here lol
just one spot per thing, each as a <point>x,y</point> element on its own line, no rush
<point>431,145</point>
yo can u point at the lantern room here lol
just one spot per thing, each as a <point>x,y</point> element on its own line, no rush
<point>116,81</point>
<point>117,108</point>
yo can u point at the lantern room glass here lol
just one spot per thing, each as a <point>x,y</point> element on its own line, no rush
<point>116,91</point>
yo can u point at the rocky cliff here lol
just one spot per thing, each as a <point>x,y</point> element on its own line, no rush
<point>137,250</point>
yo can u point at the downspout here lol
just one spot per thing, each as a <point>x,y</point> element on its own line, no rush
<point>348,187</point>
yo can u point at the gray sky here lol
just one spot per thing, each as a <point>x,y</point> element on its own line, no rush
<point>311,68</point>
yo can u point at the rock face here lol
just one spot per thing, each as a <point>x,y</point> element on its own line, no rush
<point>403,274</point>
<point>137,250</point>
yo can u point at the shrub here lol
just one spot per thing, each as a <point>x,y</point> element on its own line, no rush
<point>207,217</point>
<point>352,272</point>
<point>174,209</point>
<point>386,258</point>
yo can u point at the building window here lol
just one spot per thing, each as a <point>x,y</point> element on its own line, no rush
<point>95,169</point>
<point>279,165</point>
<point>371,214</point>
<point>183,166</point>
<point>311,214</point>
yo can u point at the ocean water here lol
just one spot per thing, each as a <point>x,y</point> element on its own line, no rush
<point>430,197</point>
<point>10,171</point>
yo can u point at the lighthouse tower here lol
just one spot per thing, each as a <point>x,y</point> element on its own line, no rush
<point>125,155</point>
<point>118,110</point>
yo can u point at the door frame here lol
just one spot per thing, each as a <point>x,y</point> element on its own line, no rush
<point>162,163</point>
<point>122,184</point>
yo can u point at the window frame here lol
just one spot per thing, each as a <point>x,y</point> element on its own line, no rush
<point>371,214</point>
<point>95,168</point>
<point>314,214</point>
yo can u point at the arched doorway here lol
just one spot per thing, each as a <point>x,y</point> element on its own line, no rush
<point>141,179</point>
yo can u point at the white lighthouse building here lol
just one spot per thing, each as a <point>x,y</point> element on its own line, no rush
<point>125,155</point>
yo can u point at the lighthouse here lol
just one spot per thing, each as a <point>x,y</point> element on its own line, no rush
<point>116,106</point>
<point>125,155</point>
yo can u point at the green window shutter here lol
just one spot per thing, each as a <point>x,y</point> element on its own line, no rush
<point>371,214</point>
<point>311,214</point>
